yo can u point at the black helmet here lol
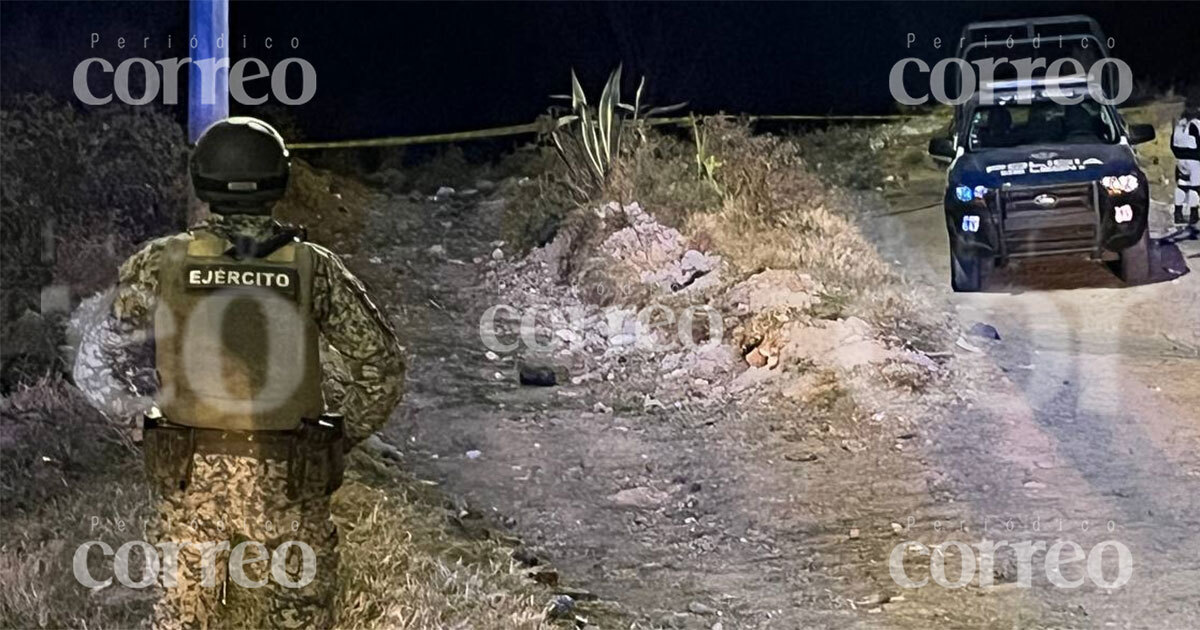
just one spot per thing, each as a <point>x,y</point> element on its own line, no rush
<point>240,162</point>
<point>1191,105</point>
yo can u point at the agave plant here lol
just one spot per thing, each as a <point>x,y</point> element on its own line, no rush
<point>589,139</point>
<point>706,163</point>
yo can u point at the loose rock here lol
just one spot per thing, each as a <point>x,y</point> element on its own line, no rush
<point>561,607</point>
<point>539,375</point>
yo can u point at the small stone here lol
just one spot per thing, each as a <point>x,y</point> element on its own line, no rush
<point>497,254</point>
<point>539,375</point>
<point>561,607</point>
<point>897,528</point>
<point>853,533</point>
<point>491,356</point>
<point>437,250</point>
<point>473,454</point>
<point>600,407</point>
<point>623,339</point>
<point>444,191</point>
<point>640,497</point>
<point>694,260</point>
<point>698,608</point>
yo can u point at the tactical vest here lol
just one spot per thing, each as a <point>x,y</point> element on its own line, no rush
<point>236,343</point>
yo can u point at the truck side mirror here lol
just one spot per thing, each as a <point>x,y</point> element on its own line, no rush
<point>941,148</point>
<point>1138,134</point>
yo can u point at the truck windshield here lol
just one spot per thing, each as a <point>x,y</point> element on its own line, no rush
<point>1041,122</point>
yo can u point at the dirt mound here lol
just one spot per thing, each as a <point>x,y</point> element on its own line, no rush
<point>672,330</point>
<point>657,253</point>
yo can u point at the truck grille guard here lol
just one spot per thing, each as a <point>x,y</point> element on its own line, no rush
<point>1071,225</point>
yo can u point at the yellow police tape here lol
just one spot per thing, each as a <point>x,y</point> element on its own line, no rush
<point>545,124</point>
<point>542,125</point>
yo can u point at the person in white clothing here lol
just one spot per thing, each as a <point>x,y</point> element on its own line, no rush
<point>1185,145</point>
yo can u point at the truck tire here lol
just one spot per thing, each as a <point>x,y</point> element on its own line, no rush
<point>967,274</point>
<point>1135,261</point>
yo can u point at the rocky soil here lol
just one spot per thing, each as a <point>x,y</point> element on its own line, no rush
<point>677,486</point>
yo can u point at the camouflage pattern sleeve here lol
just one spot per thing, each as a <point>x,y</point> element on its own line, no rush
<point>364,371</point>
<point>115,364</point>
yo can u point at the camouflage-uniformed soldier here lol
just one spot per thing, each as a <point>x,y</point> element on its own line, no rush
<point>243,450</point>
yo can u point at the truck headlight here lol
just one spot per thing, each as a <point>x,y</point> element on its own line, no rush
<point>1119,184</point>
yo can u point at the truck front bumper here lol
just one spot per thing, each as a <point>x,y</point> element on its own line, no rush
<point>1027,221</point>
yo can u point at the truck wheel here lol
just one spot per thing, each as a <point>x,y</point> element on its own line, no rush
<point>1135,261</point>
<point>967,274</point>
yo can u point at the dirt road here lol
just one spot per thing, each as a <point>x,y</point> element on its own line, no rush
<point>1098,412</point>
<point>1082,418</point>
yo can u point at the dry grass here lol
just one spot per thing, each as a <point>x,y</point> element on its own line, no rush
<point>1155,157</point>
<point>69,478</point>
<point>404,566</point>
<point>329,205</point>
<point>777,213</point>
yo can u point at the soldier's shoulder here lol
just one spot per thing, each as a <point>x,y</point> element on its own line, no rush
<point>327,261</point>
<point>149,254</point>
<point>321,251</point>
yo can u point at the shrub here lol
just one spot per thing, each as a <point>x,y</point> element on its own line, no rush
<point>81,190</point>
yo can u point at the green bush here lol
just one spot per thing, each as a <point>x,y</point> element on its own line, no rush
<point>81,189</point>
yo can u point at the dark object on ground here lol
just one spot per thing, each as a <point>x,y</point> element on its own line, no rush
<point>987,331</point>
<point>1171,261</point>
<point>544,575</point>
<point>525,557</point>
<point>561,607</point>
<point>540,375</point>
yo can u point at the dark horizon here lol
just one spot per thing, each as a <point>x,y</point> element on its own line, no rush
<point>418,68</point>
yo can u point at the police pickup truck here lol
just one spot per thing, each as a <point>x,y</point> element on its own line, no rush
<point>1039,167</point>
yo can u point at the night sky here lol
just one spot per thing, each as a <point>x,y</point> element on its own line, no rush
<point>409,68</point>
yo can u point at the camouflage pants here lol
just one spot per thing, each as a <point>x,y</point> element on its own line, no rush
<point>234,499</point>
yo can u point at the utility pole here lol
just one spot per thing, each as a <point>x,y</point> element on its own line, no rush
<point>208,84</point>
